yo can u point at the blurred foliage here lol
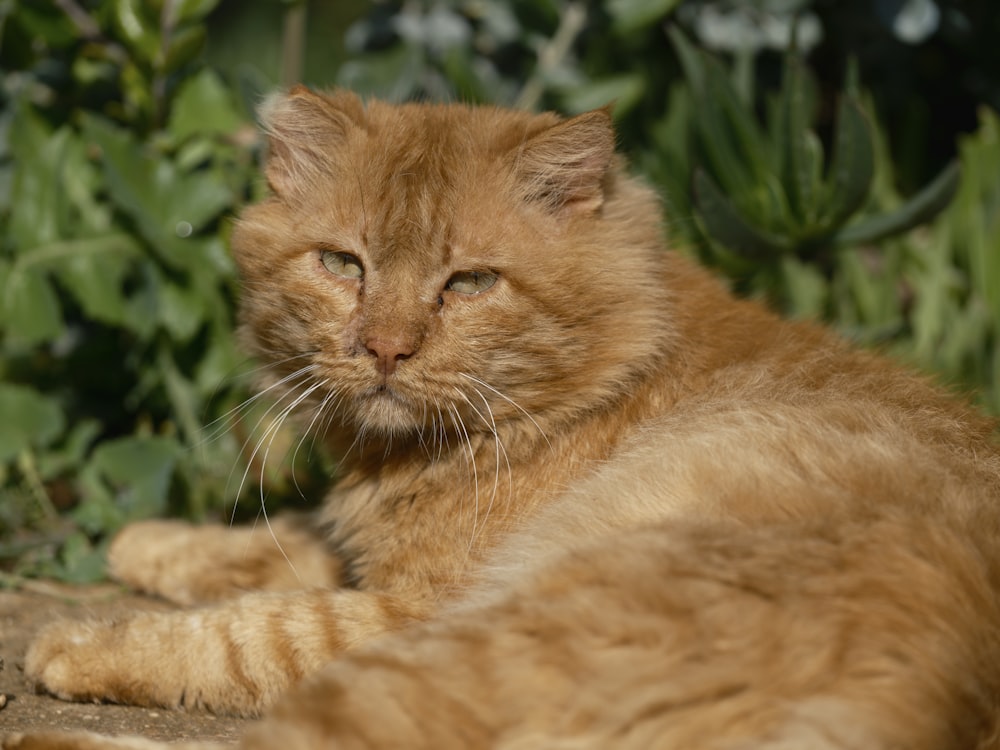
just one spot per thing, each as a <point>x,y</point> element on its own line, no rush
<point>123,157</point>
<point>763,198</point>
<point>126,145</point>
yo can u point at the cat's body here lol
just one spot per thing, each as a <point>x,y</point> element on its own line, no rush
<point>601,502</point>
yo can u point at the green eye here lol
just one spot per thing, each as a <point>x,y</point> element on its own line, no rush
<point>471,282</point>
<point>341,264</point>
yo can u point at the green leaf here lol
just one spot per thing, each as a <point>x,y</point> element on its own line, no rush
<point>139,470</point>
<point>728,133</point>
<point>739,123</point>
<point>83,184</point>
<point>96,513</point>
<point>632,15</point>
<point>921,208</point>
<point>724,223</point>
<point>166,205</point>
<point>30,307</point>
<point>96,282</point>
<point>81,561</point>
<point>182,311</point>
<point>805,288</point>
<point>54,30</point>
<point>803,154</point>
<point>143,302</point>
<point>625,91</point>
<point>94,271</point>
<point>690,58</point>
<point>222,359</point>
<point>185,44</point>
<point>874,293</point>
<point>137,91</point>
<point>194,10</point>
<point>36,189</point>
<point>138,30</point>
<point>852,166</point>
<point>129,172</point>
<point>973,225</point>
<point>30,420</point>
<point>392,75</point>
<point>183,397</point>
<point>193,200</point>
<point>204,106</point>
<point>69,454</point>
<point>709,122</point>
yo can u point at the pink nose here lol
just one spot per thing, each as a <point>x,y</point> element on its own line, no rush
<point>388,351</point>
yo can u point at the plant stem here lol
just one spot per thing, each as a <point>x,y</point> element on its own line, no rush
<point>26,464</point>
<point>293,35</point>
<point>552,53</point>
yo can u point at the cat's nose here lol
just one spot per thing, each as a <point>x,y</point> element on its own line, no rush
<point>388,351</point>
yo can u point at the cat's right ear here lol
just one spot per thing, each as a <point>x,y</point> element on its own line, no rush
<point>563,168</point>
<point>305,132</point>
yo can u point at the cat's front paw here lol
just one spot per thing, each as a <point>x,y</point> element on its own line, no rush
<point>76,661</point>
<point>150,556</point>
<point>191,565</point>
<point>178,561</point>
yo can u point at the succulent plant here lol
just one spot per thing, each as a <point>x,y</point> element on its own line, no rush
<point>764,193</point>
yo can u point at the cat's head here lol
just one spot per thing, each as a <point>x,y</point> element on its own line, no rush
<point>447,267</point>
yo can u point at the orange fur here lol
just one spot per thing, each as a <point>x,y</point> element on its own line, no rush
<point>597,503</point>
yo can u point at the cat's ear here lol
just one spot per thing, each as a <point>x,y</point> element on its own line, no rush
<point>305,132</point>
<point>563,168</point>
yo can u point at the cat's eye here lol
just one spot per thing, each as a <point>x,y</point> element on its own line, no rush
<point>471,282</point>
<point>341,264</point>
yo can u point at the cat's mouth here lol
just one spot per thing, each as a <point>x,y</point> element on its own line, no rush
<point>385,407</point>
<point>385,391</point>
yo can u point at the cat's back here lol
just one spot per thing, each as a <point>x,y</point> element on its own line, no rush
<point>757,419</point>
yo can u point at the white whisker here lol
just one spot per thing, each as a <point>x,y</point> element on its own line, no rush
<point>269,435</point>
<point>510,401</point>
<point>308,432</point>
<point>253,431</point>
<point>244,405</point>
<point>461,431</point>
<point>499,450</point>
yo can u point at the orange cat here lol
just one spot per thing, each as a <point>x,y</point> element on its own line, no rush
<point>588,499</point>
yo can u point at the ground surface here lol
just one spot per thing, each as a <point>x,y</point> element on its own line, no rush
<point>23,612</point>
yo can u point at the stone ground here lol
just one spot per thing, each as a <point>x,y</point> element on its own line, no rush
<point>24,611</point>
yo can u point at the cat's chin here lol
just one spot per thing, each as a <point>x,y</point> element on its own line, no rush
<point>386,411</point>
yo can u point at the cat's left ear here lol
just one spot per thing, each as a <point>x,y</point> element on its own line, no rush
<point>306,131</point>
<point>563,168</point>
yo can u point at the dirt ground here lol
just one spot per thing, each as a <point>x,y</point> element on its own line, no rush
<point>23,612</point>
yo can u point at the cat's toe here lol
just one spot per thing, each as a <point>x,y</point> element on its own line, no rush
<point>138,552</point>
<point>66,660</point>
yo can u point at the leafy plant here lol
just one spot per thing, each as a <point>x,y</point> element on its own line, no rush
<point>761,193</point>
<point>955,275</point>
<point>117,356</point>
